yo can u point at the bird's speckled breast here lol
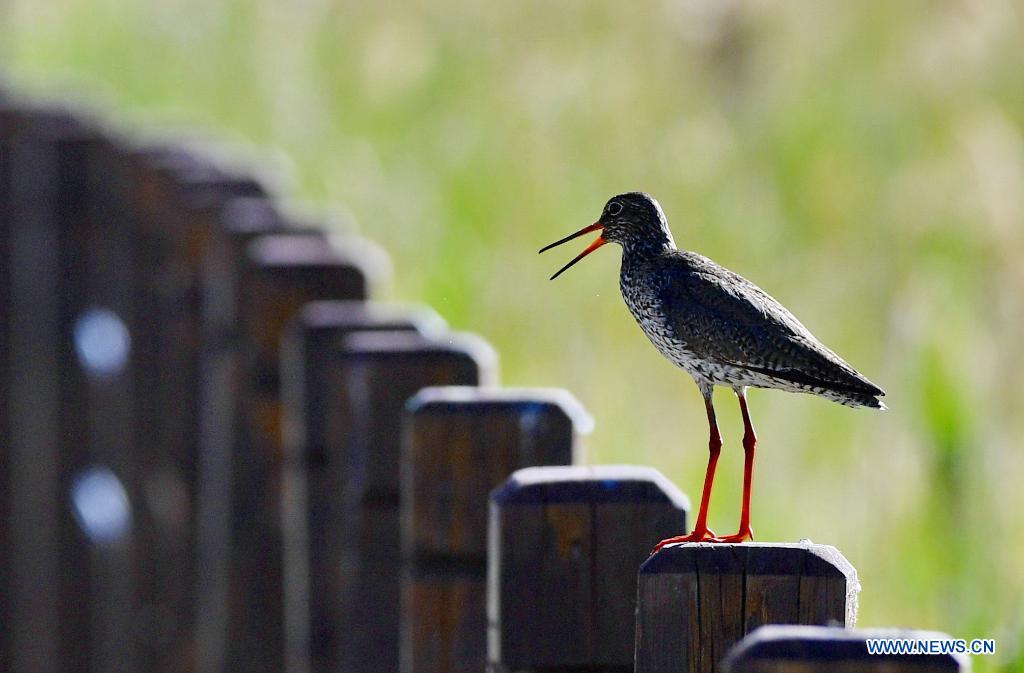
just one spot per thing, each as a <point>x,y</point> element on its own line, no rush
<point>640,292</point>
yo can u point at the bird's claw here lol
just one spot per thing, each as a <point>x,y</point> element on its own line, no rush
<point>705,535</point>
<point>742,536</point>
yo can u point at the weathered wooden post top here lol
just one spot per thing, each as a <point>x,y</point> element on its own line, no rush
<point>564,545</point>
<point>819,649</point>
<point>460,443</point>
<point>696,600</point>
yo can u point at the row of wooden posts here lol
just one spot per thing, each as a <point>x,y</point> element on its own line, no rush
<point>219,454</point>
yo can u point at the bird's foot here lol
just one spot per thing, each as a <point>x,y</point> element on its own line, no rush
<point>742,536</point>
<point>698,535</point>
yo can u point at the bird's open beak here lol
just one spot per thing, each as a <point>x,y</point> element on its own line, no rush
<point>598,242</point>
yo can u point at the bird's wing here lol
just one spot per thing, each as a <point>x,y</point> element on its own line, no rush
<point>722,316</point>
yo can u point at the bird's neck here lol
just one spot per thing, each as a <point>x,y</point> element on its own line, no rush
<point>647,248</point>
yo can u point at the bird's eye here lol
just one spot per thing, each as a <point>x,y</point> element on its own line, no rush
<point>614,208</point>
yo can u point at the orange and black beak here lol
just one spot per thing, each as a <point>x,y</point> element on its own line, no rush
<point>598,242</point>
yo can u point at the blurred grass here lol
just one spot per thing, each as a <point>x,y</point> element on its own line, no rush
<point>863,162</point>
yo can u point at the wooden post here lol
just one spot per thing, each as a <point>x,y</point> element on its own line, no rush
<point>69,580</point>
<point>308,346</point>
<point>278,275</point>
<point>355,549</point>
<point>42,375</point>
<point>102,333</point>
<point>10,117</point>
<point>192,195</point>
<point>459,444</point>
<point>221,347</point>
<point>819,649</point>
<point>564,545</point>
<point>8,121</point>
<point>695,601</point>
<point>310,488</point>
<point>164,509</point>
<point>179,198</point>
<point>107,318</point>
<point>96,505</point>
<point>152,211</point>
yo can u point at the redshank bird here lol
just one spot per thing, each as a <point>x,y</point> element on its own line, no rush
<point>720,328</point>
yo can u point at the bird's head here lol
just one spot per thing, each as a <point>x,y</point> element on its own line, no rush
<point>634,220</point>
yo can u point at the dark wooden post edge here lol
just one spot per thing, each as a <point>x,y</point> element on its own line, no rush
<point>822,649</point>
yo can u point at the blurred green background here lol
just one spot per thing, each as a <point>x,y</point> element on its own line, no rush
<point>863,162</point>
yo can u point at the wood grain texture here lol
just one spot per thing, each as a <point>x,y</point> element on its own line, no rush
<point>695,601</point>
<point>818,649</point>
<point>310,489</point>
<point>370,378</point>
<point>459,444</point>
<point>564,547</point>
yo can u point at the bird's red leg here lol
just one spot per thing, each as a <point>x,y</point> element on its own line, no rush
<point>749,441</point>
<point>700,529</point>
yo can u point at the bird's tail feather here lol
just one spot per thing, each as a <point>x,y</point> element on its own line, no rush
<point>869,401</point>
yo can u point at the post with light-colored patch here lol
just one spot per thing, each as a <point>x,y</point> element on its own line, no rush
<point>696,600</point>
<point>564,545</point>
<point>459,444</point>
